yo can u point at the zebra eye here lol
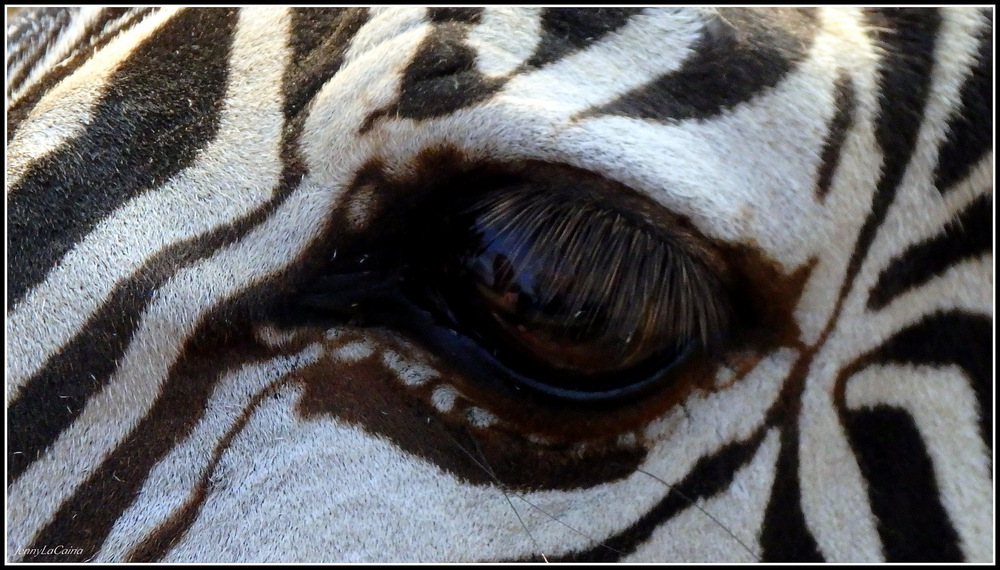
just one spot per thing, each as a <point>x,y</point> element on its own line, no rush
<point>578,294</point>
<point>549,278</point>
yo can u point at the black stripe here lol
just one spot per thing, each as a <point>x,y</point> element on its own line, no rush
<point>319,38</point>
<point>310,29</point>
<point>967,236</point>
<point>568,30</point>
<point>710,476</point>
<point>743,52</point>
<point>907,38</point>
<point>442,77</point>
<point>941,339</point>
<point>463,15</point>
<point>970,129</point>
<point>158,543</point>
<point>844,103</point>
<point>55,396</point>
<point>161,107</point>
<point>784,536</point>
<point>92,39</point>
<point>912,523</point>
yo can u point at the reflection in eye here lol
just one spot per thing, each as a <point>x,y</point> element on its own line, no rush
<point>577,291</point>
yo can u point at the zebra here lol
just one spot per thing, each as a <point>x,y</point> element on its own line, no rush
<point>465,284</point>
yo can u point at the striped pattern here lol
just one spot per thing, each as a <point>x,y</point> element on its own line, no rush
<point>178,179</point>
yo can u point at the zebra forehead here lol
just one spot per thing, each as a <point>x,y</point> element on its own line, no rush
<point>559,111</point>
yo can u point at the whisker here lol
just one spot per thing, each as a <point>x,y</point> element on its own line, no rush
<point>537,508</point>
<point>484,465</point>
<point>538,547</point>
<point>563,523</point>
<point>673,489</point>
<point>489,471</point>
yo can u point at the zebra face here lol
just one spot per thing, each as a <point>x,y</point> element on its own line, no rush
<point>447,284</point>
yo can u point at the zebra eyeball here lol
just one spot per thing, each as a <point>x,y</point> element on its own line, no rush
<point>565,285</point>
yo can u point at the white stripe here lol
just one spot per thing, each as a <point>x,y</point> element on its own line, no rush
<point>844,528</point>
<point>955,58</point>
<point>505,38</point>
<point>709,421</point>
<point>964,286</point>
<point>232,176</point>
<point>832,233</point>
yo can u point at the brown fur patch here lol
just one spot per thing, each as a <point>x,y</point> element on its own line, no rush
<point>765,297</point>
<point>367,393</point>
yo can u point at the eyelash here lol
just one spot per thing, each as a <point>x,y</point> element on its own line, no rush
<point>645,257</point>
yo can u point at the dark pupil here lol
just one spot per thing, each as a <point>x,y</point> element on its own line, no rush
<point>568,290</point>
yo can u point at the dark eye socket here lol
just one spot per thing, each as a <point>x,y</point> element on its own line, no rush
<point>568,286</point>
